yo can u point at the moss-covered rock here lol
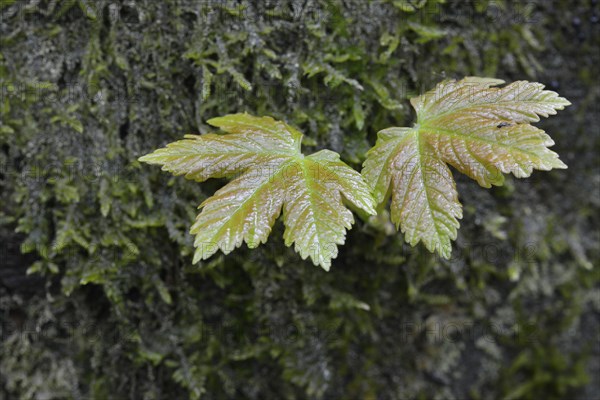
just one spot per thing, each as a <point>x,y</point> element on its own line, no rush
<point>111,306</point>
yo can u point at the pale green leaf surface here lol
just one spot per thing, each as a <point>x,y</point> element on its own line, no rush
<point>377,171</point>
<point>424,198</point>
<point>272,131</point>
<point>242,211</point>
<point>314,214</point>
<point>518,102</point>
<point>481,130</point>
<point>253,142</point>
<point>330,169</point>
<point>273,175</point>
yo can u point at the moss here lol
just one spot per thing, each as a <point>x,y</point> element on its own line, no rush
<point>112,305</point>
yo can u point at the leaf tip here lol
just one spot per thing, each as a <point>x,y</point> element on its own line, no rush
<point>146,158</point>
<point>445,250</point>
<point>559,164</point>
<point>564,102</point>
<point>324,265</point>
<point>216,121</point>
<point>197,256</point>
<point>371,208</point>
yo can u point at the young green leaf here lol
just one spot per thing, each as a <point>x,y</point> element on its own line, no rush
<point>269,174</point>
<point>481,130</point>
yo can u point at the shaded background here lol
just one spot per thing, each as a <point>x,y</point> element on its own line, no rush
<point>98,297</point>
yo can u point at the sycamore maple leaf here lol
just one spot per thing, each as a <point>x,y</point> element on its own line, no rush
<point>480,130</point>
<point>270,174</point>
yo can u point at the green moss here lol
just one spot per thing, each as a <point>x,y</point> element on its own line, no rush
<point>88,87</point>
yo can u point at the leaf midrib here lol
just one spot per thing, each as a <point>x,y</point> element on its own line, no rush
<point>447,132</point>
<point>389,159</point>
<point>309,188</point>
<point>476,105</point>
<point>420,151</point>
<point>256,190</point>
